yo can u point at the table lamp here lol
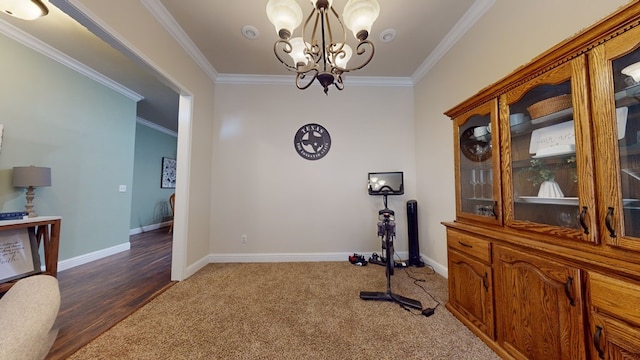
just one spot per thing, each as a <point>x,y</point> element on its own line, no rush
<point>31,177</point>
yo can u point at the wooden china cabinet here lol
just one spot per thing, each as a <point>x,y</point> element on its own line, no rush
<point>544,253</point>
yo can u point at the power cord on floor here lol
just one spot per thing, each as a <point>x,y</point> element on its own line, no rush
<point>427,266</point>
<point>428,311</point>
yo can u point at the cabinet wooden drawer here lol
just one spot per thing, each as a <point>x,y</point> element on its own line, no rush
<point>615,339</point>
<point>470,245</point>
<point>616,297</point>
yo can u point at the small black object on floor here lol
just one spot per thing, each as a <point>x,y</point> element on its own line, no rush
<point>428,312</point>
<point>358,260</point>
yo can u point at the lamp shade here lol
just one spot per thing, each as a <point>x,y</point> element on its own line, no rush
<point>285,15</point>
<point>298,47</point>
<point>359,16</point>
<point>24,9</point>
<point>26,176</point>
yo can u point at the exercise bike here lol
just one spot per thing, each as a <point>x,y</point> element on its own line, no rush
<point>386,230</point>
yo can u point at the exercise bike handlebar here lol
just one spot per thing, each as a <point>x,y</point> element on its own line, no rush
<point>386,190</point>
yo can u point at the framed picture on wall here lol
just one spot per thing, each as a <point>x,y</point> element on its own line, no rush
<point>168,180</point>
<point>18,254</point>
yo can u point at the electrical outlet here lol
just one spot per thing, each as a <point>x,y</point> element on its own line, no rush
<point>244,239</point>
<point>122,188</point>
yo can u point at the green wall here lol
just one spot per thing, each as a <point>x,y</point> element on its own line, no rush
<point>83,131</point>
<point>150,203</point>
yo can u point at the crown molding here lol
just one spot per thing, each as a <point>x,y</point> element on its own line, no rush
<point>163,16</point>
<point>463,25</point>
<point>240,79</point>
<point>473,14</point>
<point>56,55</point>
<point>155,126</point>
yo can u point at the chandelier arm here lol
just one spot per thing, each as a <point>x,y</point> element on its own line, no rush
<point>315,51</point>
<point>284,46</point>
<point>315,27</point>
<point>301,76</point>
<point>361,49</point>
<point>338,83</point>
<point>333,49</point>
<point>326,19</point>
<point>344,32</point>
<point>325,51</point>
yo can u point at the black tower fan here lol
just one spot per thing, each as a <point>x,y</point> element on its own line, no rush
<point>412,225</point>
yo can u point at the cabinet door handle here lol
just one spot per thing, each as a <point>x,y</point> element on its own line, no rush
<point>583,214</point>
<point>607,221</point>
<point>596,341</point>
<point>465,245</point>
<point>484,282</point>
<point>495,206</point>
<point>567,290</point>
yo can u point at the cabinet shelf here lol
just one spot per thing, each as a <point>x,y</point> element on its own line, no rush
<point>630,150</point>
<point>565,113</point>
<point>550,201</point>
<point>628,96</point>
<point>560,201</point>
<point>478,199</point>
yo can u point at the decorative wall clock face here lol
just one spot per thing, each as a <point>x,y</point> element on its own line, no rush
<point>472,148</point>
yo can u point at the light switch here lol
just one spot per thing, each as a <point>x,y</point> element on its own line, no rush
<point>122,188</point>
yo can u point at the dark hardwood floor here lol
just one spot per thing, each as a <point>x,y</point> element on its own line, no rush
<point>98,295</point>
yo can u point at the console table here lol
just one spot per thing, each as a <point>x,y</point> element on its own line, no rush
<point>47,230</point>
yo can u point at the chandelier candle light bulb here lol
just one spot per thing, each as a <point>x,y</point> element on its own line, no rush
<point>317,54</point>
<point>24,9</point>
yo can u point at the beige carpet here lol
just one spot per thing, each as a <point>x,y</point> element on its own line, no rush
<point>290,311</point>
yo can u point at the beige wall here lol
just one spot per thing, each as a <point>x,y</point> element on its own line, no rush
<point>291,208</point>
<point>509,35</point>
<point>141,33</point>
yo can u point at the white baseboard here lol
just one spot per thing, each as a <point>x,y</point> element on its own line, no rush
<point>93,256</point>
<point>437,267</point>
<point>193,268</point>
<point>146,228</point>
<point>96,255</point>
<point>239,258</point>
<point>274,257</point>
<point>291,257</point>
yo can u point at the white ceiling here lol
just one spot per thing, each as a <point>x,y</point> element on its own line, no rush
<point>425,29</point>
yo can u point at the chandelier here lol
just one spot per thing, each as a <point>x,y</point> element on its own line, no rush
<point>317,53</point>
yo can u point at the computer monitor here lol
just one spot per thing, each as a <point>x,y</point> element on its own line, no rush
<point>386,183</point>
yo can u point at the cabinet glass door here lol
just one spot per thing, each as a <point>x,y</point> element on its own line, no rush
<point>615,68</point>
<point>547,154</point>
<point>477,172</point>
